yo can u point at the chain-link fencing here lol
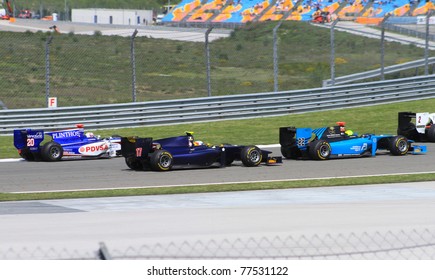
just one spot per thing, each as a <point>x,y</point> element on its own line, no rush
<point>416,244</point>
<point>95,69</point>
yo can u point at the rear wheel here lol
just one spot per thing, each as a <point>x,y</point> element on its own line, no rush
<point>399,146</point>
<point>27,154</point>
<point>161,160</point>
<point>290,152</point>
<point>251,156</point>
<point>431,133</point>
<point>133,163</point>
<point>320,150</point>
<point>51,151</point>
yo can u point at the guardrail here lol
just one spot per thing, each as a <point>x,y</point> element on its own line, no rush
<point>221,107</point>
<point>377,72</point>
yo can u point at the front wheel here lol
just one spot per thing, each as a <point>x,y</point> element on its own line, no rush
<point>320,150</point>
<point>399,146</point>
<point>251,156</point>
<point>161,160</point>
<point>51,151</point>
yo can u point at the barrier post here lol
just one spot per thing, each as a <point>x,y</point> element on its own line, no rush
<point>133,66</point>
<point>47,69</point>
<point>207,56</point>
<point>383,45</point>
<point>426,48</point>
<point>333,52</point>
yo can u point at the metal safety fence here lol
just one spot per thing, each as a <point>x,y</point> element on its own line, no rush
<point>220,108</point>
<point>415,244</point>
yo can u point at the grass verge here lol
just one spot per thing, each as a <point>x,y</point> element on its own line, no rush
<point>221,187</point>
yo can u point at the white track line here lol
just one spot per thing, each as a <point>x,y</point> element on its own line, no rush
<point>11,160</point>
<point>227,183</point>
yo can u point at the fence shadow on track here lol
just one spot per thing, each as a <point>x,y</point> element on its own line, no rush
<point>416,244</point>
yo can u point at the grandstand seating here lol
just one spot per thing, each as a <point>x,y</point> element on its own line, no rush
<point>276,11</point>
<point>182,10</point>
<point>228,13</point>
<point>423,7</point>
<point>253,8</point>
<point>391,7</point>
<point>242,11</point>
<point>308,8</point>
<point>206,11</point>
<point>352,9</point>
<point>402,10</point>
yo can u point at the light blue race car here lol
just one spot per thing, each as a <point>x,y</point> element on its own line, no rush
<point>337,142</point>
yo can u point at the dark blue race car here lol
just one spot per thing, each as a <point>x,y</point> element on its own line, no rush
<point>337,142</point>
<point>183,151</point>
<point>37,144</point>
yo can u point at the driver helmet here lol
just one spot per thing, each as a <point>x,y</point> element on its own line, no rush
<point>349,132</point>
<point>190,138</point>
<point>90,135</point>
<point>342,126</point>
<point>198,143</point>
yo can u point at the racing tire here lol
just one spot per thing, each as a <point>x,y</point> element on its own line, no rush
<point>320,150</point>
<point>251,156</point>
<point>51,151</point>
<point>399,146</point>
<point>161,160</point>
<point>290,152</point>
<point>133,163</point>
<point>431,133</point>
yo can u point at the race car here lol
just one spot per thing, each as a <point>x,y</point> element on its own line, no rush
<point>183,151</point>
<point>69,143</point>
<point>417,126</point>
<point>337,142</point>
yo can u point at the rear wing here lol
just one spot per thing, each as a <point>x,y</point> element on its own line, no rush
<point>287,135</point>
<point>136,146</point>
<point>405,118</point>
<point>300,137</point>
<point>28,138</point>
<point>422,121</point>
<point>290,136</point>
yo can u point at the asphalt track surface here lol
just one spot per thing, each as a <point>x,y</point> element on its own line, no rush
<point>168,225</point>
<point>73,228</point>
<point>23,176</point>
